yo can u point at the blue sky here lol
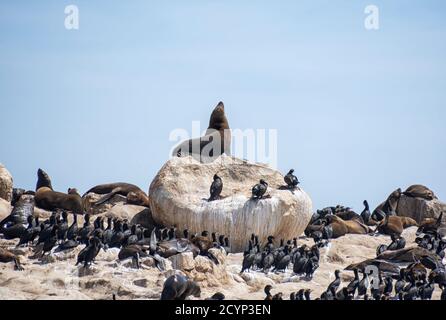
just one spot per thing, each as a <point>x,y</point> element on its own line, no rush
<point>358,113</point>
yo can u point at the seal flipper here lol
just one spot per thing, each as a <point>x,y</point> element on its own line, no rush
<point>108,196</point>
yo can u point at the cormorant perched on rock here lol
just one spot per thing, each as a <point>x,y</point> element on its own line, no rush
<point>50,242</point>
<point>86,230</point>
<point>248,260</point>
<point>354,284</point>
<point>267,291</point>
<point>89,253</point>
<point>291,180</point>
<point>118,235</point>
<point>31,232</point>
<point>336,283</point>
<point>307,294</point>
<point>365,214</point>
<point>73,229</point>
<point>216,188</point>
<point>283,263</point>
<point>259,190</point>
<point>63,227</point>
<point>108,233</point>
<point>133,238</point>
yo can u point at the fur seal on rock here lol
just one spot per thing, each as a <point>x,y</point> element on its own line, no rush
<point>178,287</point>
<point>133,193</point>
<point>394,225</point>
<point>215,142</point>
<point>7,256</point>
<point>341,227</point>
<point>420,191</point>
<point>389,206</point>
<point>48,199</point>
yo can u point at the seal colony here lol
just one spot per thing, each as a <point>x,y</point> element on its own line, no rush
<point>400,268</point>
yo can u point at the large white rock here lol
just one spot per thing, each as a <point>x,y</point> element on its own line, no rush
<point>5,209</point>
<point>6,184</point>
<point>179,192</point>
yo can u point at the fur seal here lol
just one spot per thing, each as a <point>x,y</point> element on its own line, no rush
<point>133,251</point>
<point>7,256</point>
<point>48,199</point>
<point>394,225</point>
<point>340,227</point>
<point>178,287</point>
<point>389,206</point>
<point>215,142</point>
<point>133,193</point>
<point>420,191</point>
<point>430,225</point>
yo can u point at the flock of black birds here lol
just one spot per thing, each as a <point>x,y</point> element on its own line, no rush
<point>258,191</point>
<point>133,241</point>
<point>305,260</point>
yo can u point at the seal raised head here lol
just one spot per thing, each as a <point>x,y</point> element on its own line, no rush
<point>215,142</point>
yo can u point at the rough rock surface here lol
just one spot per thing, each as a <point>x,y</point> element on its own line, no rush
<point>419,209</point>
<point>6,184</point>
<point>5,209</point>
<point>179,192</point>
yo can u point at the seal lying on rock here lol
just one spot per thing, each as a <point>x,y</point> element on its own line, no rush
<point>48,199</point>
<point>382,265</point>
<point>341,227</point>
<point>133,193</point>
<point>407,255</point>
<point>215,142</point>
<point>178,287</point>
<point>420,191</point>
<point>7,256</point>
<point>394,225</point>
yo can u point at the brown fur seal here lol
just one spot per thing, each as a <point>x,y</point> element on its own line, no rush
<point>390,205</point>
<point>412,254</point>
<point>7,256</point>
<point>215,142</point>
<point>420,191</point>
<point>394,225</point>
<point>341,227</point>
<point>133,193</point>
<point>381,264</point>
<point>48,199</point>
<point>430,224</point>
<point>178,287</point>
